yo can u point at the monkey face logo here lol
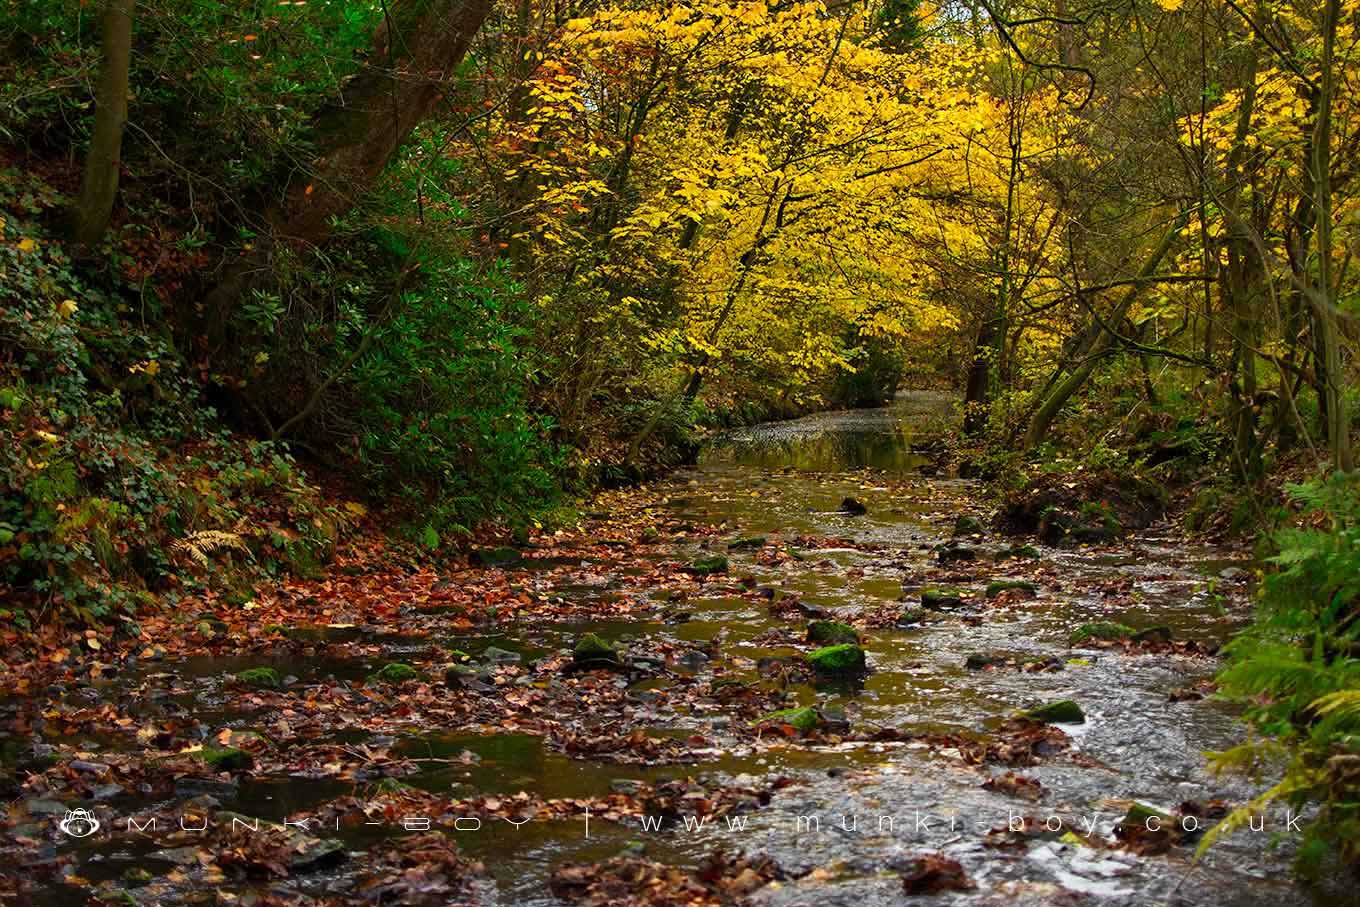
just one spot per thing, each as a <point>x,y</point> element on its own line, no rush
<point>79,823</point>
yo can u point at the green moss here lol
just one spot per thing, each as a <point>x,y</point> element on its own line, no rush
<point>804,720</point>
<point>260,677</point>
<point>1064,711</point>
<point>941,599</point>
<point>1101,629</point>
<point>591,648</point>
<point>394,672</point>
<point>1028,552</point>
<point>228,759</point>
<point>839,660</point>
<point>753,541</point>
<point>967,525</point>
<point>1140,813</point>
<point>830,631</point>
<point>706,566</point>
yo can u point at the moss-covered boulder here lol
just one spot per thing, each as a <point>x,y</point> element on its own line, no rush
<point>996,587</point>
<point>1062,711</point>
<point>394,672</point>
<point>1020,552</point>
<point>829,632</point>
<point>707,566</point>
<point>747,543</point>
<point>968,525</point>
<point>941,599</point>
<point>1105,630</point>
<point>265,678</point>
<point>590,649</point>
<point>1141,817</point>
<point>804,720</point>
<point>843,660</point>
<point>226,759</point>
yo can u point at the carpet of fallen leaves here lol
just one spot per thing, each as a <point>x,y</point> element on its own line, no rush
<point>130,714</point>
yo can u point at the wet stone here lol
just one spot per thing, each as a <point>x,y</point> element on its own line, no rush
<point>1062,711</point>
<point>853,507</point>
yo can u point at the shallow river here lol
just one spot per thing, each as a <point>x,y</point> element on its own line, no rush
<point>861,810</point>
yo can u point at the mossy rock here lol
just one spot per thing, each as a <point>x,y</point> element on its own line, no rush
<point>1139,814</point>
<point>267,678</point>
<point>841,660</point>
<point>1023,552</point>
<point>274,630</point>
<point>829,632</point>
<point>707,566</point>
<point>650,534</point>
<point>996,587</point>
<point>967,525</point>
<point>394,672</point>
<point>747,543</point>
<point>910,615</point>
<point>1107,630</point>
<point>941,599</point>
<point>804,720</point>
<point>1062,711</point>
<point>953,553</point>
<point>228,759</point>
<point>591,649</point>
<point>1160,633</point>
<point>499,556</point>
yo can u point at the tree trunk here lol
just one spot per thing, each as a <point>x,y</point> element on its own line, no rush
<point>99,185</point>
<point>415,53</point>
<point>1324,294</point>
<point>1053,404</point>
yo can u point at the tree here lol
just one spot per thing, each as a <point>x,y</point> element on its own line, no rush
<point>93,209</point>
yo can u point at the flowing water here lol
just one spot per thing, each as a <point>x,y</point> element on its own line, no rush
<point>859,811</point>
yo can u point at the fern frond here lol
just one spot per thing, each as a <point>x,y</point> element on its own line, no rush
<point>199,545</point>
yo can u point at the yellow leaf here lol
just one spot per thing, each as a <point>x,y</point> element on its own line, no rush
<point>27,245</point>
<point>67,307</point>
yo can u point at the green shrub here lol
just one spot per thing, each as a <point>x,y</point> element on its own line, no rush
<point>1297,669</point>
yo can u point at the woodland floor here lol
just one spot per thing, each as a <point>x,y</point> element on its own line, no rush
<point>654,780</point>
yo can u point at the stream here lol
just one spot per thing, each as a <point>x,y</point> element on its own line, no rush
<point>854,809</point>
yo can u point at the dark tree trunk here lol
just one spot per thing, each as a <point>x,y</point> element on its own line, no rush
<point>99,185</point>
<point>415,54</point>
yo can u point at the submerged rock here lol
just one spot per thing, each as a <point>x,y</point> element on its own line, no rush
<point>500,556</point>
<point>1106,630</point>
<point>830,631</point>
<point>952,552</point>
<point>495,655</point>
<point>839,660</point>
<point>996,587</point>
<point>1062,711</point>
<point>853,507</point>
<point>979,661</point>
<point>1027,552</point>
<point>1160,633</point>
<point>742,544</point>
